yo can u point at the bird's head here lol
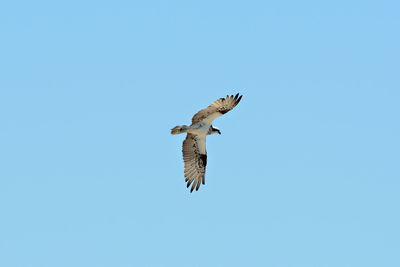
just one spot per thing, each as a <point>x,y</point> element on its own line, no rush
<point>215,130</point>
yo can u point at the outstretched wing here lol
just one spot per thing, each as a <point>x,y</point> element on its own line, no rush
<point>195,159</point>
<point>217,108</point>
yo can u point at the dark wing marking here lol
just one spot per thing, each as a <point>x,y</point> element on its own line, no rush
<point>217,108</point>
<point>195,163</point>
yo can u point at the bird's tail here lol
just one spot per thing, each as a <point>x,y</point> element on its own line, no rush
<point>179,129</point>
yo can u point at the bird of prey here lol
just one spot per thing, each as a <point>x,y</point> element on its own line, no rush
<point>194,146</point>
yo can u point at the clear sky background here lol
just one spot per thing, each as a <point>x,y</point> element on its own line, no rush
<point>305,173</point>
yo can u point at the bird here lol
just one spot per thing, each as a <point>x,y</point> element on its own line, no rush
<point>194,146</point>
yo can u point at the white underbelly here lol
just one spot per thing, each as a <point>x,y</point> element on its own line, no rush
<point>199,128</point>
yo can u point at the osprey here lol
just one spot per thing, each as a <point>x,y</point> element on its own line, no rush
<point>194,146</point>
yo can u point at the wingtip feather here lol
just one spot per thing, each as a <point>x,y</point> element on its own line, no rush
<point>198,185</point>
<point>193,186</point>
<point>238,100</point>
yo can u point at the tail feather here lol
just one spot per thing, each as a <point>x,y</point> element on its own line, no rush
<point>179,129</point>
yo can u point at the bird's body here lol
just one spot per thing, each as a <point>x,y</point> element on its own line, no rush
<point>199,128</point>
<point>194,146</point>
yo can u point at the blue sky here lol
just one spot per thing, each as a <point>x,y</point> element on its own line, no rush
<point>305,173</point>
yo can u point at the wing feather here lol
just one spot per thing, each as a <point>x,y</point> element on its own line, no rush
<point>217,108</point>
<point>195,162</point>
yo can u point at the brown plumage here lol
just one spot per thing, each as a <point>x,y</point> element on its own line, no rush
<point>194,146</point>
<point>217,108</point>
<point>195,162</point>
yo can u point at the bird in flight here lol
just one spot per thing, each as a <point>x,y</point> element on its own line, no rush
<point>194,146</point>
